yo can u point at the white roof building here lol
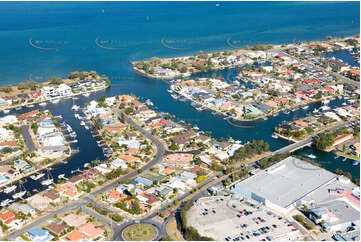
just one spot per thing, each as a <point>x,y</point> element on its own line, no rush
<point>9,119</point>
<point>64,90</point>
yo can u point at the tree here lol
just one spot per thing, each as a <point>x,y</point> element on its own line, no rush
<point>55,81</point>
<point>173,146</point>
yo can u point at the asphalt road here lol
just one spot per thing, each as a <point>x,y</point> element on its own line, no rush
<point>27,138</point>
<point>88,198</point>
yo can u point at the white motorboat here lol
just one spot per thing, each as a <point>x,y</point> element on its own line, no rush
<point>148,102</point>
<point>47,182</point>
<point>305,107</point>
<point>42,104</point>
<point>37,177</point>
<point>86,94</point>
<point>19,194</point>
<point>275,136</point>
<point>6,110</point>
<point>6,202</point>
<point>326,101</point>
<point>312,156</point>
<point>56,100</point>
<point>86,127</point>
<point>82,123</point>
<point>30,106</point>
<point>75,107</point>
<point>344,104</point>
<point>10,189</point>
<point>325,108</point>
<point>61,176</point>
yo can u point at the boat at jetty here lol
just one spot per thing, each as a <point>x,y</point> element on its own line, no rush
<point>42,104</point>
<point>6,110</point>
<point>275,136</point>
<point>355,162</point>
<point>61,176</point>
<point>21,193</point>
<point>48,181</point>
<point>86,94</point>
<point>305,107</point>
<point>37,176</point>
<point>10,189</point>
<point>75,107</point>
<point>54,101</point>
<point>6,202</point>
<point>326,101</point>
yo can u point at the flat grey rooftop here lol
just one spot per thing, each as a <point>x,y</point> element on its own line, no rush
<point>342,211</point>
<point>287,181</point>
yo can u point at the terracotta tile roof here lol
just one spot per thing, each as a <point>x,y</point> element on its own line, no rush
<point>76,235</point>
<point>90,230</point>
<point>5,216</point>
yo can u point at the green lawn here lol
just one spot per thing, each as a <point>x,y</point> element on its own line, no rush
<point>140,232</point>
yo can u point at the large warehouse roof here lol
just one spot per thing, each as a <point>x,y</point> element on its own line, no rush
<point>286,182</point>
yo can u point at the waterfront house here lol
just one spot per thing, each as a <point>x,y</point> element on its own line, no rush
<point>128,158</point>
<point>53,195</point>
<point>49,91</point>
<point>39,234</point>
<point>341,139</point>
<point>20,207</point>
<point>22,166</point>
<point>64,90</point>
<point>8,119</point>
<point>28,115</point>
<point>118,163</point>
<point>75,179</point>
<point>39,202</point>
<point>3,104</point>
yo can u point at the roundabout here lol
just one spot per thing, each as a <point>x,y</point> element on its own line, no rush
<point>145,230</point>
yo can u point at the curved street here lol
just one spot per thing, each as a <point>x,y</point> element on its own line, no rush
<point>89,197</point>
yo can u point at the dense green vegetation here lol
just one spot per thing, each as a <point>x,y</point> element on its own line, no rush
<point>323,141</point>
<point>305,222</point>
<point>134,208</point>
<point>252,148</point>
<point>267,162</point>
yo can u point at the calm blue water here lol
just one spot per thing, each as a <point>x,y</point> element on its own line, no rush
<point>135,30</point>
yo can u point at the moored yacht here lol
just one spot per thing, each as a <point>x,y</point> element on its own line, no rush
<point>10,189</point>
<point>37,177</point>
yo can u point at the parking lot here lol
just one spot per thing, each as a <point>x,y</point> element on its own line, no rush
<point>224,218</point>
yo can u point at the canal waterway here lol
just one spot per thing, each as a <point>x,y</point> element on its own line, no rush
<point>135,32</point>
